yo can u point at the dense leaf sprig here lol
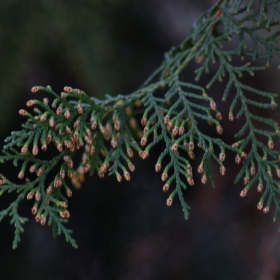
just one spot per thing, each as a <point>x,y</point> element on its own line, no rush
<point>105,133</point>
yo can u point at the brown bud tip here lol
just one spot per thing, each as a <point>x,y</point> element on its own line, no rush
<point>235,145</point>
<point>126,175</point>
<point>49,190</point>
<point>67,114</point>
<point>174,147</point>
<point>165,188</point>
<point>80,109</point>
<point>266,210</point>
<point>78,91</point>
<point>138,103</point>
<point>104,168</point>
<point>24,150</point>
<point>131,167</point>
<point>129,153</point>
<point>175,130</point>
<point>64,204</point>
<point>67,89</point>
<point>59,111</point>
<point>219,129</point>
<point>164,176</point>
<point>35,151</point>
<point>87,168</point>
<point>181,130</point>
<point>170,125</point>
<point>62,174</point>
<point>93,124</point>
<point>67,214</point>
<point>191,146</point>
<point>133,123</point>
<point>143,121</point>
<point>252,171</point>
<point>128,111</point>
<point>76,136</point>
<point>243,155</point>
<point>230,116</point>
<point>49,139</point>
<point>39,172</point>
<point>34,210</point>
<point>260,206</point>
<point>246,181</point>
<point>274,104</point>
<point>190,181</point>
<point>158,167</point>
<point>219,116</point>
<point>200,169</point>
<point>58,182</point>
<point>199,59</point>
<point>30,103</point>
<point>270,144</point>
<point>70,164</point>
<point>143,141</point>
<point>92,150</point>
<point>222,170</point>
<point>22,112</point>
<point>114,143</point>
<point>20,175</point>
<point>32,169</point>
<point>166,119</point>
<point>102,129</point>
<point>64,214</point>
<point>44,147</point>
<point>260,188</point>
<point>35,89</point>
<point>119,178</point>
<point>143,154</point>
<point>54,105</point>
<point>43,220</point>
<point>37,218</point>
<point>68,192</point>
<point>204,179</point>
<point>117,125</point>
<point>101,174</point>
<point>213,105</point>
<point>222,157</point>
<point>66,158</point>
<point>191,155</point>
<point>30,195</point>
<point>243,193</point>
<point>169,201</point>
<point>43,117</point>
<point>37,196</point>
<point>237,159</point>
<point>145,130</point>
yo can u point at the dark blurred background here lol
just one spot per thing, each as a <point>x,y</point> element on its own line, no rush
<point>125,231</point>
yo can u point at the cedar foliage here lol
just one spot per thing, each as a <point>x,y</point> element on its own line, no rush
<point>171,109</point>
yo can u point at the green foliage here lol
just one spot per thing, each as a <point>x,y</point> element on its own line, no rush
<point>107,133</point>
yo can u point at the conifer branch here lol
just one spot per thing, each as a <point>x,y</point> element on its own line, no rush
<point>108,134</point>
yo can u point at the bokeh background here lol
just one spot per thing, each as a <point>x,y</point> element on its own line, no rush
<point>125,231</point>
